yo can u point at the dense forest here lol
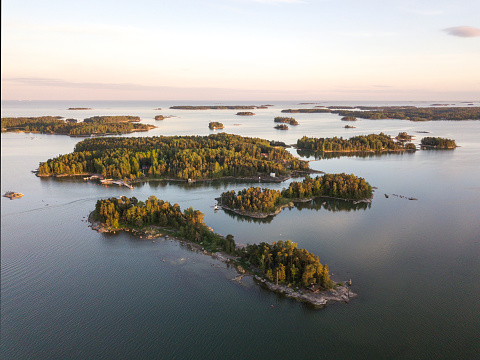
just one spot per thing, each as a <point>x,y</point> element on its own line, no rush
<point>252,199</point>
<point>131,213</point>
<point>371,142</point>
<point>437,142</point>
<point>281,127</point>
<point>285,263</point>
<point>256,200</point>
<point>221,107</point>
<point>215,125</point>
<point>342,186</point>
<point>286,120</point>
<point>98,125</point>
<point>177,157</point>
<point>414,113</point>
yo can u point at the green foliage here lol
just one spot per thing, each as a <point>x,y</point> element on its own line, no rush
<point>372,142</point>
<point>252,199</point>
<point>439,143</point>
<point>129,212</point>
<point>212,125</point>
<point>98,125</point>
<point>284,262</point>
<point>414,113</point>
<point>341,186</point>
<point>286,120</point>
<point>179,157</point>
<point>281,127</point>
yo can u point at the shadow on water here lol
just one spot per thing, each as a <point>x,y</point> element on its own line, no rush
<point>317,204</point>
<point>319,155</point>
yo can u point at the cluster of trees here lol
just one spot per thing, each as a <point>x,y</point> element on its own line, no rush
<point>403,136</point>
<point>287,264</point>
<point>342,186</point>
<point>371,142</point>
<point>179,157</point>
<point>414,113</point>
<point>233,107</point>
<point>438,142</point>
<point>90,126</point>
<point>286,120</point>
<point>245,113</point>
<point>281,127</point>
<point>159,117</point>
<point>253,199</point>
<point>131,213</point>
<point>215,125</point>
<point>349,118</point>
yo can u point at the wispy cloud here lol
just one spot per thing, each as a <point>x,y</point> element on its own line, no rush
<point>463,31</point>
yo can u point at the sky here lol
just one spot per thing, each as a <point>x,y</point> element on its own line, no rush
<point>240,50</point>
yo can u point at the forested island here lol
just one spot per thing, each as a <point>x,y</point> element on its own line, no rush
<point>281,266</point>
<point>260,203</point>
<point>349,118</point>
<point>412,113</point>
<point>79,108</point>
<point>159,117</point>
<point>371,142</point>
<point>12,195</point>
<point>285,120</point>
<point>437,143</point>
<point>245,113</point>
<point>281,127</point>
<point>97,125</point>
<point>213,125</point>
<point>174,157</point>
<point>214,107</point>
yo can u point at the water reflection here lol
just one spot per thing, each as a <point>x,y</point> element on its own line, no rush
<point>318,155</point>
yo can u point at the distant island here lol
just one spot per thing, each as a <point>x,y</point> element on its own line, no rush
<point>349,118</point>
<point>403,136</point>
<point>349,127</point>
<point>281,127</point>
<point>437,143</point>
<point>261,203</point>
<point>286,120</point>
<point>175,158</point>
<point>281,267</point>
<point>245,113</point>
<point>411,113</point>
<point>213,125</point>
<point>159,117</point>
<point>97,125</point>
<point>370,143</point>
<point>213,107</point>
<point>79,108</point>
<point>13,195</point>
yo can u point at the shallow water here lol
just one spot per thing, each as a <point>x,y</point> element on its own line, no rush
<point>69,292</point>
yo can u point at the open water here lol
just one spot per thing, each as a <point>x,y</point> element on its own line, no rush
<point>68,292</point>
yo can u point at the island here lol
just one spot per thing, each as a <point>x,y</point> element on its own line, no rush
<point>213,107</point>
<point>350,127</point>
<point>349,118</point>
<point>281,267</point>
<point>261,203</point>
<point>97,125</point>
<point>13,195</point>
<point>178,158</point>
<point>159,117</point>
<point>245,113</point>
<point>403,136</point>
<point>308,111</point>
<point>286,120</point>
<point>437,143</point>
<point>281,127</point>
<point>214,125</point>
<point>362,143</point>
<point>79,108</point>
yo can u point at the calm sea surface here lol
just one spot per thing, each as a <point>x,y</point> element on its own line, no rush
<point>68,292</point>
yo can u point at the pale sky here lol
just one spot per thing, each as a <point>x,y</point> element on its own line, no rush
<point>241,50</point>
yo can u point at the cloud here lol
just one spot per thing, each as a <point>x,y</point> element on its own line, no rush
<point>463,31</point>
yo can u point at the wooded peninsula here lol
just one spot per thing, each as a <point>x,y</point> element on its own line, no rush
<point>281,262</point>
<point>371,142</point>
<point>174,157</point>
<point>97,125</point>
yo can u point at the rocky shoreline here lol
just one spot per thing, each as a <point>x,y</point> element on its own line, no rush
<point>340,293</point>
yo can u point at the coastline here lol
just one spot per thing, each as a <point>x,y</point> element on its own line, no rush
<point>318,299</point>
